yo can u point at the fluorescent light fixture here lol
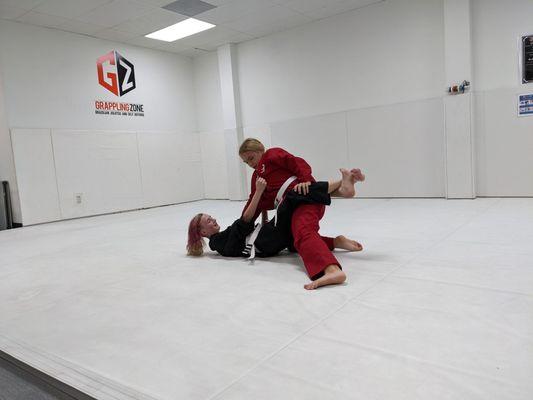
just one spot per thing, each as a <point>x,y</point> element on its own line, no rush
<point>180,30</point>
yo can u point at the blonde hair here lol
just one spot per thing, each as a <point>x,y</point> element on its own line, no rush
<point>251,144</point>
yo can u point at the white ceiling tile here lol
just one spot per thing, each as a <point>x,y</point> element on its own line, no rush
<point>80,27</point>
<point>339,7</point>
<point>150,22</point>
<point>192,52</point>
<point>155,3</point>
<point>213,38</point>
<point>114,35</point>
<point>115,13</point>
<point>145,42</point>
<point>129,20</point>
<point>69,8</point>
<point>35,18</point>
<point>218,2</point>
<point>174,47</point>
<point>263,18</point>
<point>25,4</point>
<point>279,25</point>
<point>232,10</point>
<point>307,5</point>
<point>11,12</point>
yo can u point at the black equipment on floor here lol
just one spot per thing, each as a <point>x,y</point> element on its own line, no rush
<point>6,213</point>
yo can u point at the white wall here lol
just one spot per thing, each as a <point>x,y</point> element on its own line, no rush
<point>364,88</point>
<point>386,53</point>
<point>111,171</point>
<point>381,69</point>
<point>360,89</point>
<point>504,141</point>
<point>211,126</point>
<point>117,162</point>
<point>7,166</point>
<point>458,110</point>
<point>50,81</point>
<point>32,149</point>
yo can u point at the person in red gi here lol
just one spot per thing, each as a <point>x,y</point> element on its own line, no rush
<point>284,171</point>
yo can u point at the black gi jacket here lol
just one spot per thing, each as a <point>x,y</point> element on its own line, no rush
<point>272,238</point>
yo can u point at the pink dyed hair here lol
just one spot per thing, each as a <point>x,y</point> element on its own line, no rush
<point>195,242</point>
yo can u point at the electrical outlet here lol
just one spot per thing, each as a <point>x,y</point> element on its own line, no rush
<point>78,198</point>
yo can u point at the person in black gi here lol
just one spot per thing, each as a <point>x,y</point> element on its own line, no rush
<point>244,239</point>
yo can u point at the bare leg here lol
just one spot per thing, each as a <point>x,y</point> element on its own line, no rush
<point>342,242</point>
<point>333,275</point>
<point>346,186</point>
<point>334,186</point>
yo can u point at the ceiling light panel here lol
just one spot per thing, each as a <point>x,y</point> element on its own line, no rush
<point>180,30</point>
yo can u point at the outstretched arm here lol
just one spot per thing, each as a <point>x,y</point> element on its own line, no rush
<point>249,212</point>
<point>252,192</point>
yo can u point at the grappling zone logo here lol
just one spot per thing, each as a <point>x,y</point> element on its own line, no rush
<point>115,73</point>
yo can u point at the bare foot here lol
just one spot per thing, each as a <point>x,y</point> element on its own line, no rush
<point>357,175</point>
<point>333,275</point>
<point>347,188</point>
<point>342,242</point>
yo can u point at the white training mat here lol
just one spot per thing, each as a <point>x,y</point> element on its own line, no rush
<point>439,305</point>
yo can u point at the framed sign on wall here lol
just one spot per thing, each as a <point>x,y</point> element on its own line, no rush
<point>525,104</point>
<point>527,59</point>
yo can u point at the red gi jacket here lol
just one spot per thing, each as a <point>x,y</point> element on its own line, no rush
<point>276,166</point>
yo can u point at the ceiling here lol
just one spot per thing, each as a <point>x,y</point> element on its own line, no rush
<point>127,21</point>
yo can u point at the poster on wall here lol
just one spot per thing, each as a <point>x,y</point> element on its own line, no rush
<point>525,104</point>
<point>117,75</point>
<point>527,59</point>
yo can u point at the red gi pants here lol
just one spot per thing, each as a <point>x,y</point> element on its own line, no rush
<point>315,252</point>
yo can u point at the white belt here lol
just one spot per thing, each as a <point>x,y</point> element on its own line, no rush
<point>250,240</point>
<point>279,196</point>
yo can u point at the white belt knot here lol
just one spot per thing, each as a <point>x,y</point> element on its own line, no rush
<point>249,248</point>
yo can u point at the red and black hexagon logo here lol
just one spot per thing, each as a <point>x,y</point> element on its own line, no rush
<point>115,73</point>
